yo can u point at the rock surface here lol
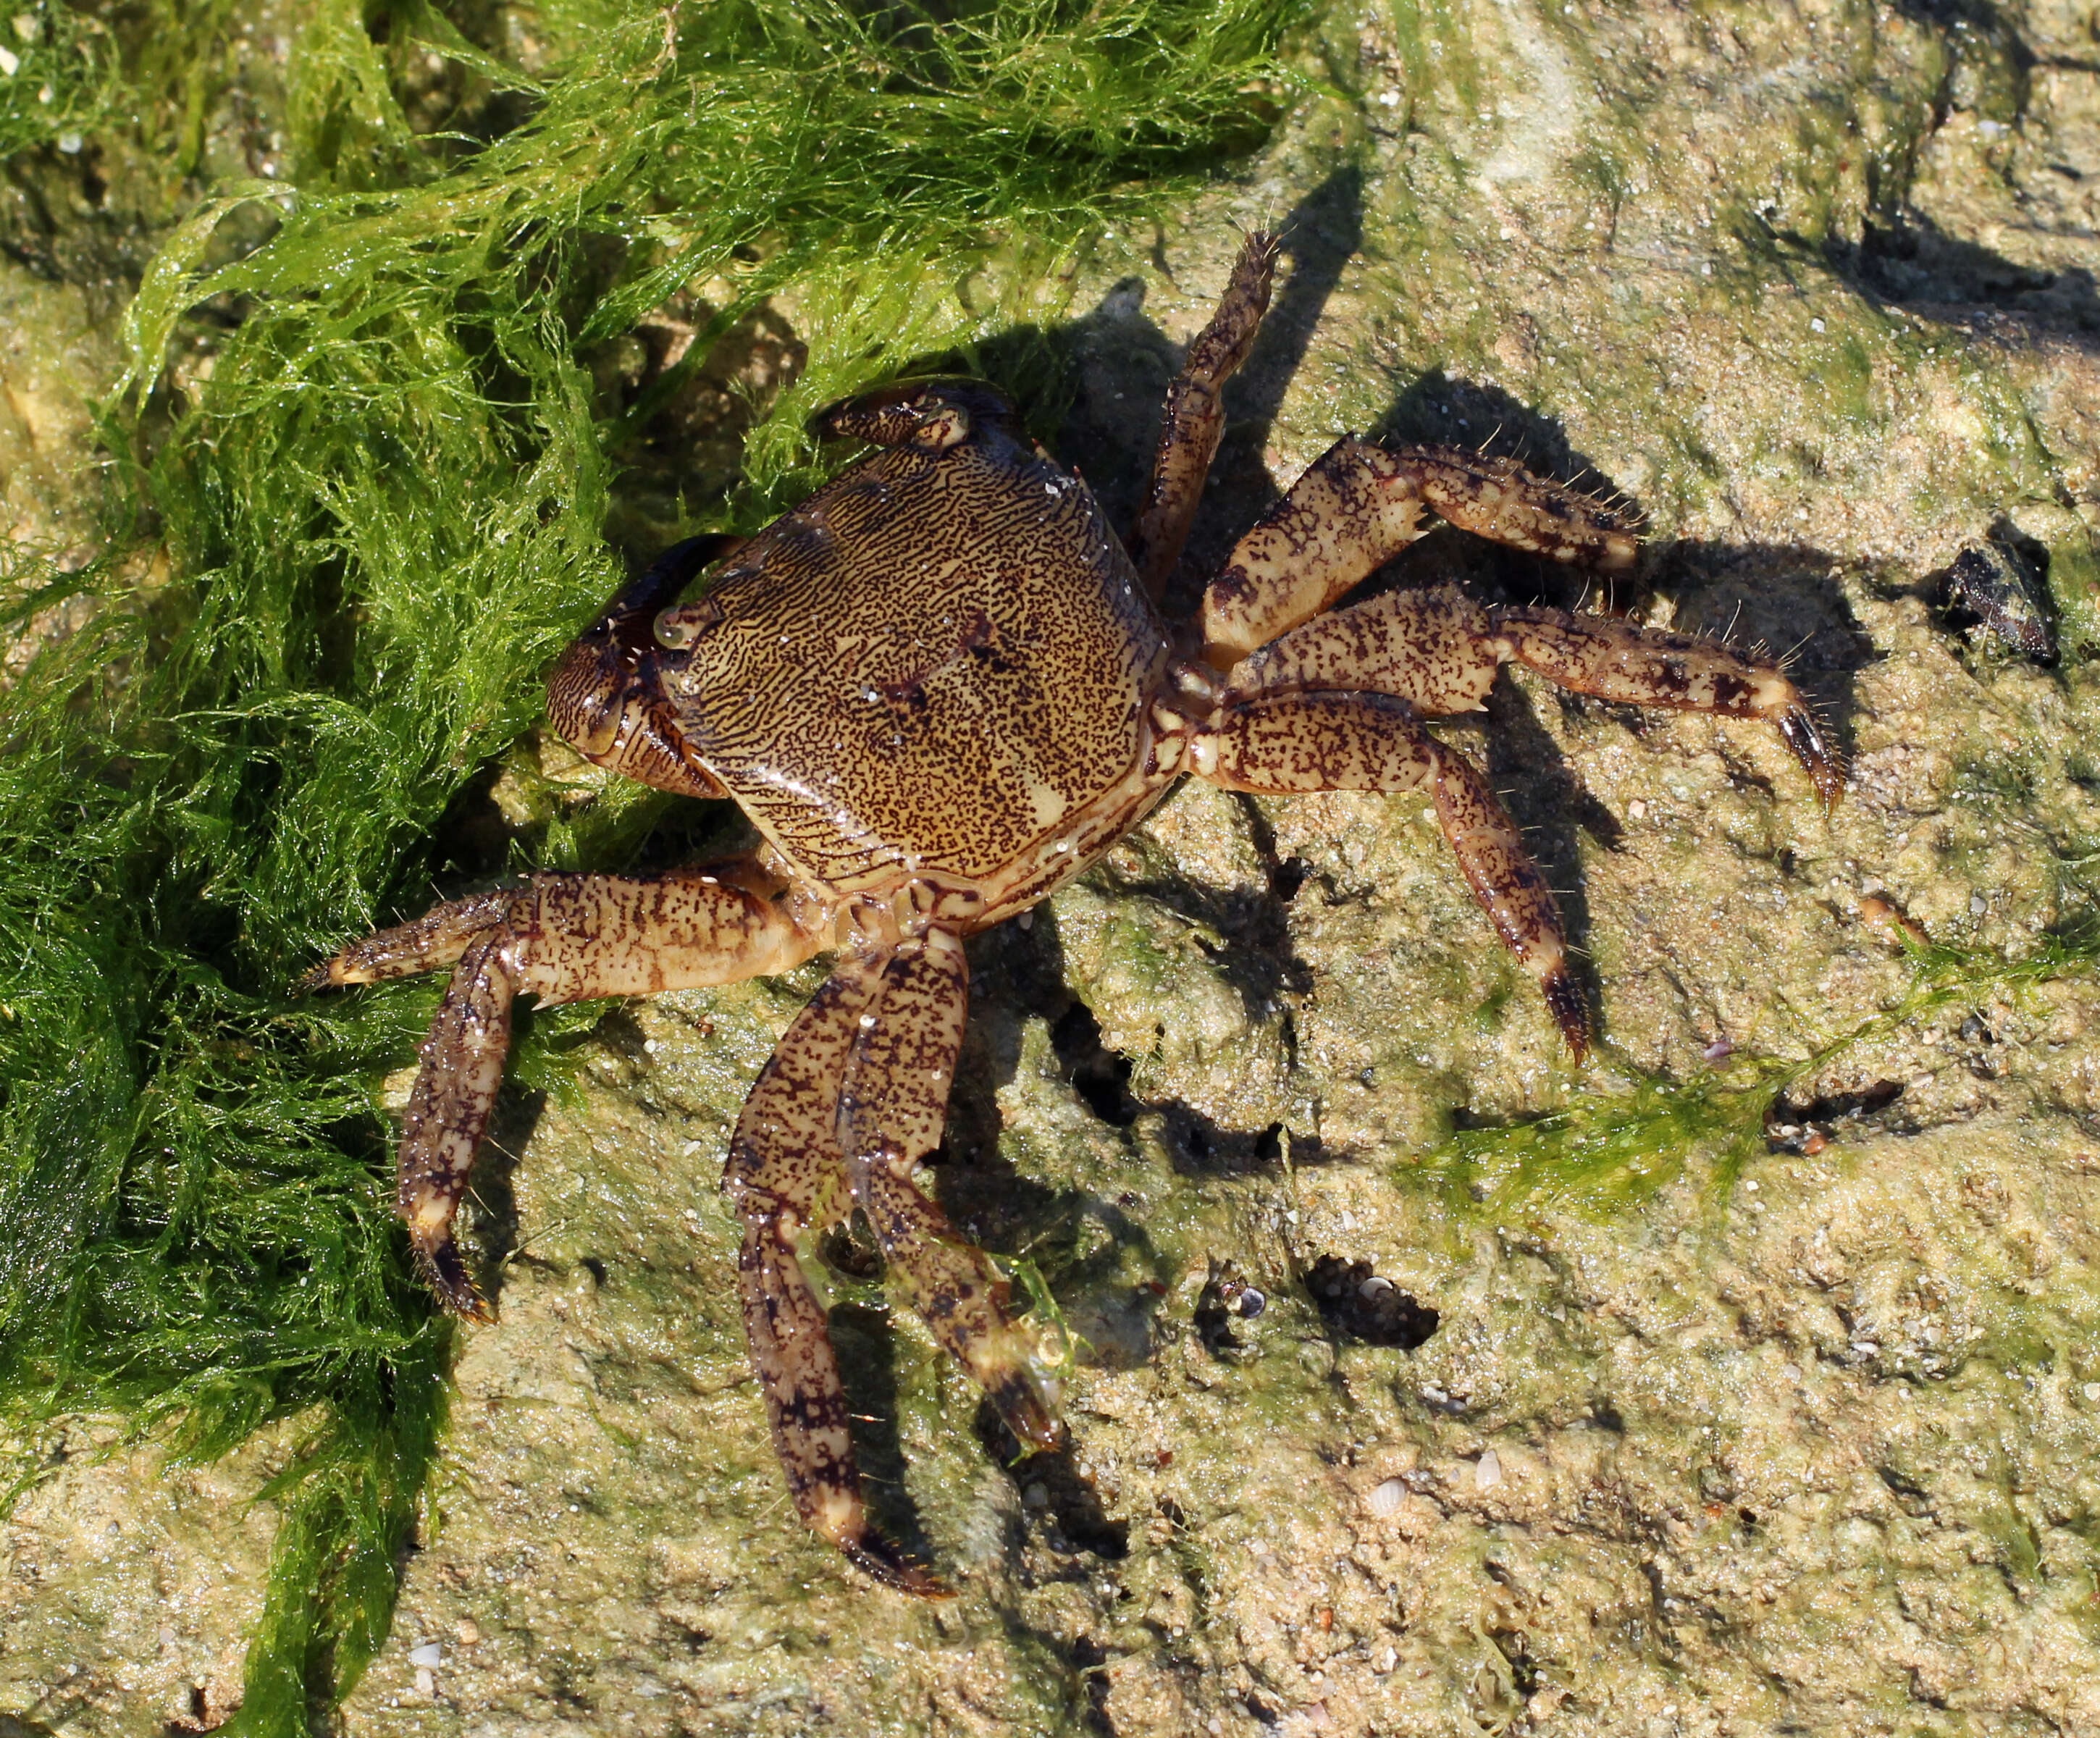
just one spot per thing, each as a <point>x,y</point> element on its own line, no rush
<point>1779,1421</point>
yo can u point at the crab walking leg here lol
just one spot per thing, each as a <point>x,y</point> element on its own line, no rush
<point>448,1110</point>
<point>785,1174</point>
<point>566,938</point>
<point>891,1108</point>
<point>1360,506</point>
<point>1439,651</point>
<point>1616,660</point>
<point>1326,741</point>
<point>1196,416</point>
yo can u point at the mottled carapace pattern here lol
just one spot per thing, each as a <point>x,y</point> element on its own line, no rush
<point>940,687</point>
<point>845,708</point>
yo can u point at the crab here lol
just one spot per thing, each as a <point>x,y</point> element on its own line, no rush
<point>940,688</point>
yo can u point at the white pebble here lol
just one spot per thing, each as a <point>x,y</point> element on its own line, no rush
<point>429,1654</point>
<point>1385,1499</point>
<point>1487,1470</point>
<point>427,1682</point>
<point>71,143</point>
<point>9,64</point>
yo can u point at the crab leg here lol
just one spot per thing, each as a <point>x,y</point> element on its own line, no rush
<point>1439,650</point>
<point>1332,741</point>
<point>854,1096</point>
<point>785,1174</point>
<point>566,938</point>
<point>1360,506</point>
<point>1196,416</point>
<point>892,1104</point>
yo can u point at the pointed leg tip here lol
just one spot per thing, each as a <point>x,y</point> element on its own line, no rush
<point>444,1272</point>
<point>883,1561</point>
<point>1029,1411</point>
<point>1830,787</point>
<point>1571,1012</point>
<point>1618,554</point>
<point>1818,759</point>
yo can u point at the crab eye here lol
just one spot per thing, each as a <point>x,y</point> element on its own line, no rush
<point>676,628</point>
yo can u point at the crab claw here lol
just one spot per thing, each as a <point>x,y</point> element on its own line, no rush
<point>932,414</point>
<point>605,696</point>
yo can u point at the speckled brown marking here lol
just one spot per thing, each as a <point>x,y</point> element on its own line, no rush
<point>448,1109</point>
<point>1616,660</point>
<point>1360,506</point>
<point>890,1110</point>
<point>564,938</point>
<point>606,695</point>
<point>1373,742</point>
<point>1435,649</point>
<point>840,694</point>
<point>1196,416</point>
<point>438,938</point>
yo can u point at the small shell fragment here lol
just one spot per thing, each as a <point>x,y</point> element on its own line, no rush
<point>1385,1499</point>
<point>1487,1470</point>
<point>1887,918</point>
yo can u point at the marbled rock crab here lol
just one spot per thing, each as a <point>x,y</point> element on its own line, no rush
<point>940,688</point>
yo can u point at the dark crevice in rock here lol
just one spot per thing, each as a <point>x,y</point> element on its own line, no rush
<point>1099,1076</point>
<point>1363,1305</point>
<point>1795,1126</point>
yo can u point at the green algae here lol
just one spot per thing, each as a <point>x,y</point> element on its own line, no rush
<point>61,78</point>
<point>381,503</point>
<point>1618,1144</point>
